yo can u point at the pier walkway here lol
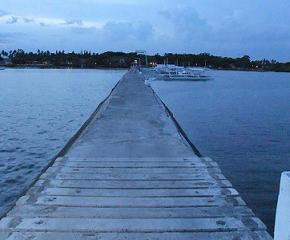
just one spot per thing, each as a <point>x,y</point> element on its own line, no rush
<point>132,175</point>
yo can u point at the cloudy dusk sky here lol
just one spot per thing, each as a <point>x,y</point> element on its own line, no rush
<point>259,28</point>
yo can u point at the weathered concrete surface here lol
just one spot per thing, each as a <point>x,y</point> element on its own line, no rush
<point>131,175</point>
<point>134,124</point>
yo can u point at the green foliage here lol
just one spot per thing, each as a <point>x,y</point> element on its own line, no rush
<point>89,59</point>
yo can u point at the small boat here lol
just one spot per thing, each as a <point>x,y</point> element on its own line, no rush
<point>2,68</point>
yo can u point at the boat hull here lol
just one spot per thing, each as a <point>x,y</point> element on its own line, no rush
<point>193,79</point>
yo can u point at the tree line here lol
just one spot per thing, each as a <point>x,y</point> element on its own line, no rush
<point>88,59</point>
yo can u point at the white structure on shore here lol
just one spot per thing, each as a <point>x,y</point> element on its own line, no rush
<point>282,224</point>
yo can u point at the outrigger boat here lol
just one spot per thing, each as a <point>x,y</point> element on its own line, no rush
<point>175,73</point>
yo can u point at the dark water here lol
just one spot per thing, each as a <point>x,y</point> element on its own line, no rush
<point>242,121</point>
<point>39,111</point>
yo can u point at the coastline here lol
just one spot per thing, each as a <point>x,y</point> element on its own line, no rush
<point>60,67</point>
<point>122,68</point>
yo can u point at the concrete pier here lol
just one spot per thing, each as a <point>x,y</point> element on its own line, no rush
<point>132,175</point>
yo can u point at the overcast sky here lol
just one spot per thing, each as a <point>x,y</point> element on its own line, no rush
<point>259,28</point>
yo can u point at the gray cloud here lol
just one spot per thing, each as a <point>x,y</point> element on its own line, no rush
<point>187,30</point>
<point>42,24</point>
<point>12,20</point>
<point>134,31</point>
<point>74,22</point>
<point>28,20</point>
<point>185,20</point>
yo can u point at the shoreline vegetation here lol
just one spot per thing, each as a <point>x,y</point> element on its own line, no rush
<point>91,60</point>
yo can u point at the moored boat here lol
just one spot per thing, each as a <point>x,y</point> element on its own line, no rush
<point>184,74</point>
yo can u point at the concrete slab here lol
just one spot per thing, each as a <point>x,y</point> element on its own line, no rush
<point>131,225</point>
<point>32,210</point>
<point>244,235</point>
<point>140,192</point>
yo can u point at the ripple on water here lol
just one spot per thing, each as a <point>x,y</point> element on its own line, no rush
<point>10,181</point>
<point>14,139</point>
<point>42,132</point>
<point>11,150</point>
<point>35,126</point>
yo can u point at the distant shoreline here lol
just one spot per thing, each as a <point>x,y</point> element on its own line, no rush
<point>61,67</point>
<point>28,66</point>
<point>112,60</point>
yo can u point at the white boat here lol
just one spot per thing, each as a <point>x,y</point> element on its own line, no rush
<point>183,74</point>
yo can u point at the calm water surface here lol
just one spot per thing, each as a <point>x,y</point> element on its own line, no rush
<point>40,110</point>
<point>241,120</point>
